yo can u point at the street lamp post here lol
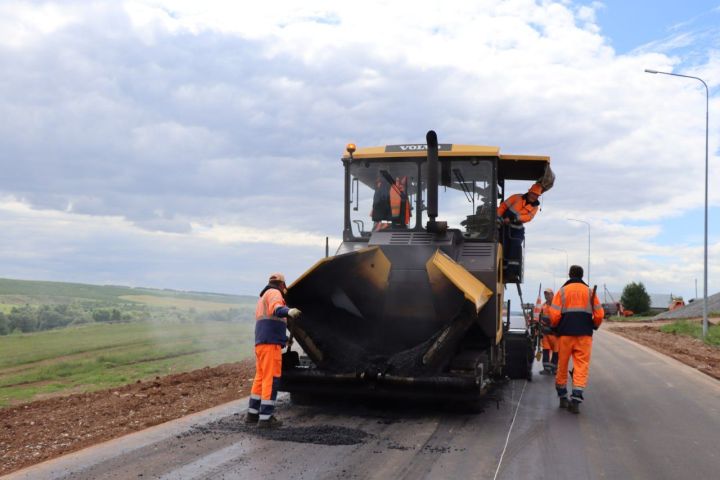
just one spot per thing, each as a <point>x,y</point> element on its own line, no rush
<point>588,225</point>
<point>567,264</point>
<point>705,254</point>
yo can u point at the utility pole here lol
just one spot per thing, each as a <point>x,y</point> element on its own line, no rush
<point>588,225</point>
<point>566,256</point>
<point>705,254</point>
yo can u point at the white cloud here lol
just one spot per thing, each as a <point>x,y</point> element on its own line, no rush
<point>223,122</point>
<point>42,244</point>
<point>23,23</point>
<point>276,236</point>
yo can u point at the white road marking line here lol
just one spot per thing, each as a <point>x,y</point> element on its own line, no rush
<point>507,439</point>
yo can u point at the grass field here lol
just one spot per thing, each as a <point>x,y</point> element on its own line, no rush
<point>20,292</point>
<point>97,356</point>
<point>181,303</point>
<point>693,329</point>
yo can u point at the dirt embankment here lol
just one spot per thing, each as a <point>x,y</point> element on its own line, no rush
<point>41,430</point>
<point>688,350</point>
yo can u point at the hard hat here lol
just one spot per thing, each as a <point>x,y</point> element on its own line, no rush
<point>549,290</point>
<point>277,277</point>
<point>536,189</point>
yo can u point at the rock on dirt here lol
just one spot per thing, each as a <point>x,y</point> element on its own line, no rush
<point>45,429</point>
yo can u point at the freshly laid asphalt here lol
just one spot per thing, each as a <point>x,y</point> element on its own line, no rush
<point>646,416</point>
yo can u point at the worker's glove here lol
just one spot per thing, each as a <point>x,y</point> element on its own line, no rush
<point>294,313</point>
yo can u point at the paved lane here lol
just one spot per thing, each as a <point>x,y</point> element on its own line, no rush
<point>646,416</point>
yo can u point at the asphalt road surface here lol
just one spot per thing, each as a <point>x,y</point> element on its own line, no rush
<point>645,416</point>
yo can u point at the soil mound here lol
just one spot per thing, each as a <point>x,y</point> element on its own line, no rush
<point>45,429</point>
<point>688,350</point>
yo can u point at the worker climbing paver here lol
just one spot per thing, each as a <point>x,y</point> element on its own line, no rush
<point>514,212</point>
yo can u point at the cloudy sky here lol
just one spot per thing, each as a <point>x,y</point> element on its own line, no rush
<point>195,145</point>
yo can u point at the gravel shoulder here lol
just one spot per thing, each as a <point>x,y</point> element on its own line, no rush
<point>42,430</point>
<point>688,350</point>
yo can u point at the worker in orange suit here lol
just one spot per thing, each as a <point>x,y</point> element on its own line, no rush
<point>549,339</point>
<point>399,202</point>
<point>574,314</point>
<point>515,211</point>
<point>271,316</point>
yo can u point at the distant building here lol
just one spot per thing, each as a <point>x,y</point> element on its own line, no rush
<point>659,302</point>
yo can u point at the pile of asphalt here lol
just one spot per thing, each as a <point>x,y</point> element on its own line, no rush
<point>437,449</point>
<point>349,349</point>
<point>316,434</point>
<point>350,344</point>
<point>692,310</point>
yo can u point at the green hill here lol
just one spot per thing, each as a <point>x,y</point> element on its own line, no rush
<point>58,337</point>
<point>21,292</point>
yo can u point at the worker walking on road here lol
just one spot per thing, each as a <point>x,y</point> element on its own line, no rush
<point>549,339</point>
<point>271,316</point>
<point>515,211</point>
<point>575,313</point>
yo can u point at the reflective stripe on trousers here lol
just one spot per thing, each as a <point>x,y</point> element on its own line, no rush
<point>268,369</point>
<point>579,348</point>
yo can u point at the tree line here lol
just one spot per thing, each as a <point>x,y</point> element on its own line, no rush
<point>34,318</point>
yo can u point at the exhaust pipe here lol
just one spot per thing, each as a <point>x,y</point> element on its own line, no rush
<point>432,155</point>
<point>433,172</point>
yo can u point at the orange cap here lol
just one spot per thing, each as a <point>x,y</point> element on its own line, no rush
<point>536,189</point>
<point>277,277</point>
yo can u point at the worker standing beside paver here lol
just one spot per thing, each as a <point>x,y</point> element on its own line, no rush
<point>271,316</point>
<point>549,339</point>
<point>575,313</point>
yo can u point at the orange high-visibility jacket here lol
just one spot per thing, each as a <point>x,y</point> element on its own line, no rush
<point>572,312</point>
<point>545,315</point>
<point>519,207</point>
<point>270,322</point>
<point>399,201</point>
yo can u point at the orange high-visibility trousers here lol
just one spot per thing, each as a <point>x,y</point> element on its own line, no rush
<point>579,349</point>
<point>550,342</point>
<point>268,369</point>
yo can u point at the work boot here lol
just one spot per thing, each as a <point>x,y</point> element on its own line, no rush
<point>564,402</point>
<point>271,422</point>
<point>252,417</point>
<point>574,407</point>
